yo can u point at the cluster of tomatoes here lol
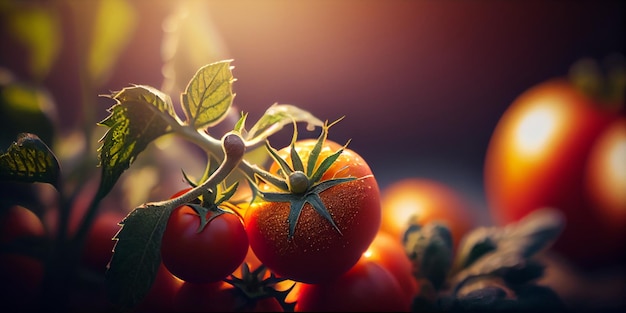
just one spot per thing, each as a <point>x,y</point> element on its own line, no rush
<point>342,263</point>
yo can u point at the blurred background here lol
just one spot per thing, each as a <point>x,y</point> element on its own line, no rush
<point>422,84</point>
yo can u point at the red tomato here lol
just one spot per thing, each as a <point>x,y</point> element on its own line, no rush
<point>425,200</point>
<point>388,251</point>
<point>537,157</point>
<point>21,275</point>
<point>606,175</point>
<point>317,251</point>
<point>367,287</point>
<point>160,297</point>
<point>206,256</point>
<point>99,244</point>
<point>220,297</point>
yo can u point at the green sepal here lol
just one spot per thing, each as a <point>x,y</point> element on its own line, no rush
<point>253,286</point>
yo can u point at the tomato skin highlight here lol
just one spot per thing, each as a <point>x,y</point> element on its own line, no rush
<point>204,257</point>
<point>317,252</point>
<point>537,158</point>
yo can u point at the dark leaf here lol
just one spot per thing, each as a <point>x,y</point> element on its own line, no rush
<point>136,256</point>
<point>514,246</point>
<point>430,250</point>
<point>29,160</point>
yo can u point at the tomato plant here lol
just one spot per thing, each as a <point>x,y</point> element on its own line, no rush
<point>322,218</point>
<point>541,155</point>
<point>420,201</point>
<point>367,287</point>
<point>203,250</point>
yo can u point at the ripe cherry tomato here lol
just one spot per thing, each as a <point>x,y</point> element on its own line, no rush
<point>317,251</point>
<point>367,287</point>
<point>21,275</point>
<point>388,251</point>
<point>203,256</point>
<point>538,156</point>
<point>425,200</point>
<point>98,247</point>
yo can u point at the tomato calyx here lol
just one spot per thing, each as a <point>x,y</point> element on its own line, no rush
<point>302,183</point>
<point>213,201</point>
<point>254,286</point>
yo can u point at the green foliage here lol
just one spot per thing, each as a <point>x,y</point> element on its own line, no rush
<point>137,255</point>
<point>209,95</point>
<point>29,160</point>
<point>140,115</point>
<point>38,28</point>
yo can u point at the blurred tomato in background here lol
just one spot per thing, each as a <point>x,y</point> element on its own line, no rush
<point>560,146</point>
<point>421,201</point>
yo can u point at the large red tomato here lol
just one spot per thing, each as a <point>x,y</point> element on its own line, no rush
<point>318,251</point>
<point>539,156</point>
<point>421,201</point>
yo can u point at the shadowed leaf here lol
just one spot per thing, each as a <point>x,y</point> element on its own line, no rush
<point>136,256</point>
<point>29,160</point>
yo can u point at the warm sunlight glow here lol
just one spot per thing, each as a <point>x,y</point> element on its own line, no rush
<point>406,208</point>
<point>537,129</point>
<point>367,253</point>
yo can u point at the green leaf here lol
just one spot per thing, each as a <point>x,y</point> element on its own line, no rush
<point>29,160</point>
<point>209,95</point>
<point>137,257</point>
<point>275,118</point>
<point>140,115</point>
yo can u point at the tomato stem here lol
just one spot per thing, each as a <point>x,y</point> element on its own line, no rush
<point>233,148</point>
